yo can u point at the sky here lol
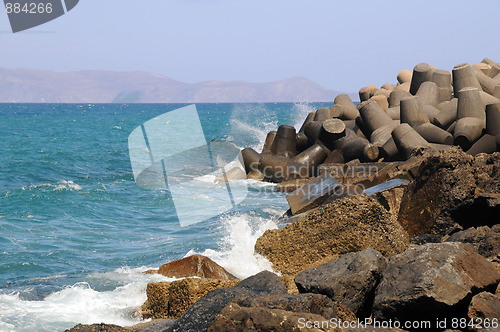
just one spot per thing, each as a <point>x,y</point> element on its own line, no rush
<point>342,45</point>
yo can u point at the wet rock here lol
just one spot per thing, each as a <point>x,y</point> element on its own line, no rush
<point>195,266</point>
<point>97,328</point>
<point>277,313</point>
<point>431,281</point>
<point>349,279</point>
<point>346,225</point>
<point>443,181</point>
<point>200,315</point>
<point>486,240</point>
<point>171,299</point>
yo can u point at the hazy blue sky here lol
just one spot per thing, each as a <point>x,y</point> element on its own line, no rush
<point>342,45</point>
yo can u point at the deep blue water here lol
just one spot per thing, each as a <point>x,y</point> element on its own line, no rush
<point>76,231</point>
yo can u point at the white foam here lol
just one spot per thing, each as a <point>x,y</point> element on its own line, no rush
<point>67,185</point>
<point>80,303</point>
<point>61,185</point>
<point>236,248</point>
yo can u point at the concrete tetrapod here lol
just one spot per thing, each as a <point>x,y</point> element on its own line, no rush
<point>355,147</point>
<point>442,78</point>
<point>421,73</point>
<point>471,117</point>
<point>428,93</point>
<point>407,139</point>
<point>266,150</point>
<point>350,110</point>
<point>447,115</point>
<point>285,142</point>
<point>373,116</point>
<point>305,163</point>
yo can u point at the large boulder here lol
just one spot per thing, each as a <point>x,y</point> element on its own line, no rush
<point>277,313</point>
<point>452,189</point>
<point>195,266</point>
<point>443,181</point>
<point>432,281</point>
<point>484,306</point>
<point>346,225</point>
<point>486,240</point>
<point>200,315</point>
<point>171,299</point>
<point>349,280</point>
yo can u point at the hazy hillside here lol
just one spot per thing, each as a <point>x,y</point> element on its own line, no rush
<point>38,86</point>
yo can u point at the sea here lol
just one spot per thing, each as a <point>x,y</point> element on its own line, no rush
<point>77,232</point>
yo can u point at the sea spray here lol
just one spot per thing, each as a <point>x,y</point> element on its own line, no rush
<point>236,248</point>
<point>80,302</point>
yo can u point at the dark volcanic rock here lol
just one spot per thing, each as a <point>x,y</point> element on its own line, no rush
<point>349,279</point>
<point>443,181</point>
<point>484,239</point>
<point>432,280</point>
<point>195,266</point>
<point>277,313</point>
<point>452,189</point>
<point>485,305</point>
<point>346,225</point>
<point>201,314</point>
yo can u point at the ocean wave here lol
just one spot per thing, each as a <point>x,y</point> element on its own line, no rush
<point>80,303</point>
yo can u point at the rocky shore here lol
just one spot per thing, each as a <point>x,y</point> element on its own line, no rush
<point>394,220</point>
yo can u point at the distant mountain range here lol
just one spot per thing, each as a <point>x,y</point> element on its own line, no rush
<point>95,86</point>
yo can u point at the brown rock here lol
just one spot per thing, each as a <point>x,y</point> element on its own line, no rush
<point>291,287</point>
<point>202,313</point>
<point>432,281</point>
<point>484,305</point>
<point>97,328</point>
<point>486,240</point>
<point>443,181</point>
<point>195,266</point>
<point>346,225</point>
<point>349,280</point>
<point>277,313</point>
<point>172,299</point>
<point>391,199</point>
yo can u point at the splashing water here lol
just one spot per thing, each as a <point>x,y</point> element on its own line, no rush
<point>236,253</point>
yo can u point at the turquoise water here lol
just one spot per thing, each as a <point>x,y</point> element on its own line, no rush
<point>76,231</point>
